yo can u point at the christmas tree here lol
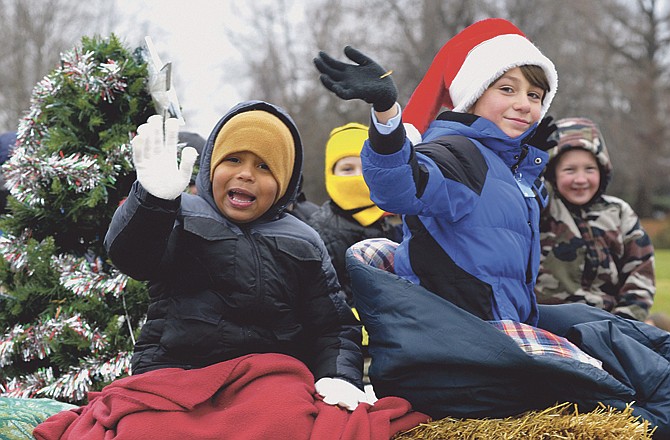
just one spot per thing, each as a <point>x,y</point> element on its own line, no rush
<point>68,318</point>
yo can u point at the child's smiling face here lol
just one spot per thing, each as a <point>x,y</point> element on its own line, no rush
<point>577,176</point>
<point>511,102</point>
<point>243,187</point>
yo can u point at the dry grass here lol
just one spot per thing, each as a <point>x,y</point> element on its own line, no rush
<point>561,422</point>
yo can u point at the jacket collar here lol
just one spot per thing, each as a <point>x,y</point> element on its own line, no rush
<point>511,150</point>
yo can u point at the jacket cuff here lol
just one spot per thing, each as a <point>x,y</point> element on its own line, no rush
<point>386,143</point>
<point>148,200</point>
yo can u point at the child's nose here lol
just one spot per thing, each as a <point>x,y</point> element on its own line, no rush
<point>246,172</point>
<point>523,102</point>
<point>580,177</point>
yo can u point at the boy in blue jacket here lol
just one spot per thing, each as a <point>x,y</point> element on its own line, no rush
<point>468,189</point>
<point>460,333</point>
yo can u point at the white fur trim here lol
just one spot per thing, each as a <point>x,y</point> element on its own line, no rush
<point>412,133</point>
<point>487,61</point>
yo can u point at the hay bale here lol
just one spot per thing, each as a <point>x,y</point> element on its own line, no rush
<point>562,422</point>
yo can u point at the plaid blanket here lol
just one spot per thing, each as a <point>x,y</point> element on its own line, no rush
<point>538,342</point>
<point>377,252</point>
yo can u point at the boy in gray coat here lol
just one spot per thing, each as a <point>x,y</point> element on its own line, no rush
<point>229,272</point>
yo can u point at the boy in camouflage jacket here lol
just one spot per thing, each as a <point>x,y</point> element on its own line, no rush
<point>594,250</point>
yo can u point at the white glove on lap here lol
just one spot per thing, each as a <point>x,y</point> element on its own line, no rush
<point>340,392</point>
<point>155,158</point>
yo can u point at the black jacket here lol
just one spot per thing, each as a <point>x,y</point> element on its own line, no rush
<point>339,230</point>
<point>220,290</point>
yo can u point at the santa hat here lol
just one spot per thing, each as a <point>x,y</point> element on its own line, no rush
<point>468,64</point>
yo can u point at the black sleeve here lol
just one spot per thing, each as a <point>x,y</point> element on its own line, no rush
<point>386,143</point>
<point>458,159</point>
<point>138,235</point>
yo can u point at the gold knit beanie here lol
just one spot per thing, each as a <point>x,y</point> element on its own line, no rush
<point>263,134</point>
<point>349,192</point>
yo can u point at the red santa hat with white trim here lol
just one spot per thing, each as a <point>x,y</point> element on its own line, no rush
<point>468,64</point>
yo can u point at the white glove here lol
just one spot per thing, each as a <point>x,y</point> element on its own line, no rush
<point>340,392</point>
<point>155,158</point>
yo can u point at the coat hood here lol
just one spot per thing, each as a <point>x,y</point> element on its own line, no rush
<point>203,181</point>
<point>584,134</point>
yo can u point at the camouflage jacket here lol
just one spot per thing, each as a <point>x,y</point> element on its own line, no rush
<point>596,253</point>
<point>602,257</point>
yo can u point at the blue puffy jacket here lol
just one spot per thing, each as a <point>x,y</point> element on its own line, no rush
<point>469,195</point>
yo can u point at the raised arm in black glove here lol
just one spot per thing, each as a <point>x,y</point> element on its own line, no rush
<point>364,80</point>
<point>542,136</point>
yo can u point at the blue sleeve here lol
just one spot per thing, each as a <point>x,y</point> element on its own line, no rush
<point>434,183</point>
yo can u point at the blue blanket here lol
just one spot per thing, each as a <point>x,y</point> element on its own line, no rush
<point>447,362</point>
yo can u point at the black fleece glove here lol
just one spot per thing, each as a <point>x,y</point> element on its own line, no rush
<point>364,80</point>
<point>542,136</point>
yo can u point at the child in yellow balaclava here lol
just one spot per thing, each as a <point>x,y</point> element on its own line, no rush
<point>344,173</point>
<point>349,216</point>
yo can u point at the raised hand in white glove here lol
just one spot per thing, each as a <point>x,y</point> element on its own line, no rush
<point>340,392</point>
<point>155,158</point>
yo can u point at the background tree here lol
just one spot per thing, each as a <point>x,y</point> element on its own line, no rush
<point>613,59</point>
<point>67,317</point>
<point>33,34</point>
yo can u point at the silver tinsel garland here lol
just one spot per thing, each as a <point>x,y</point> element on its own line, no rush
<point>73,385</point>
<point>86,278</point>
<point>13,250</point>
<point>105,79</point>
<point>26,172</point>
<point>82,276</point>
<point>33,341</point>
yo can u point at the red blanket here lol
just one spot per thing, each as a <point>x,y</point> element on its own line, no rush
<point>263,396</point>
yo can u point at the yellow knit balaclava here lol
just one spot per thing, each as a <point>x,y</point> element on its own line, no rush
<point>349,192</point>
<point>263,134</point>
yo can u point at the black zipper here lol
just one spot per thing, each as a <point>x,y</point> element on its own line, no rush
<point>259,279</point>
